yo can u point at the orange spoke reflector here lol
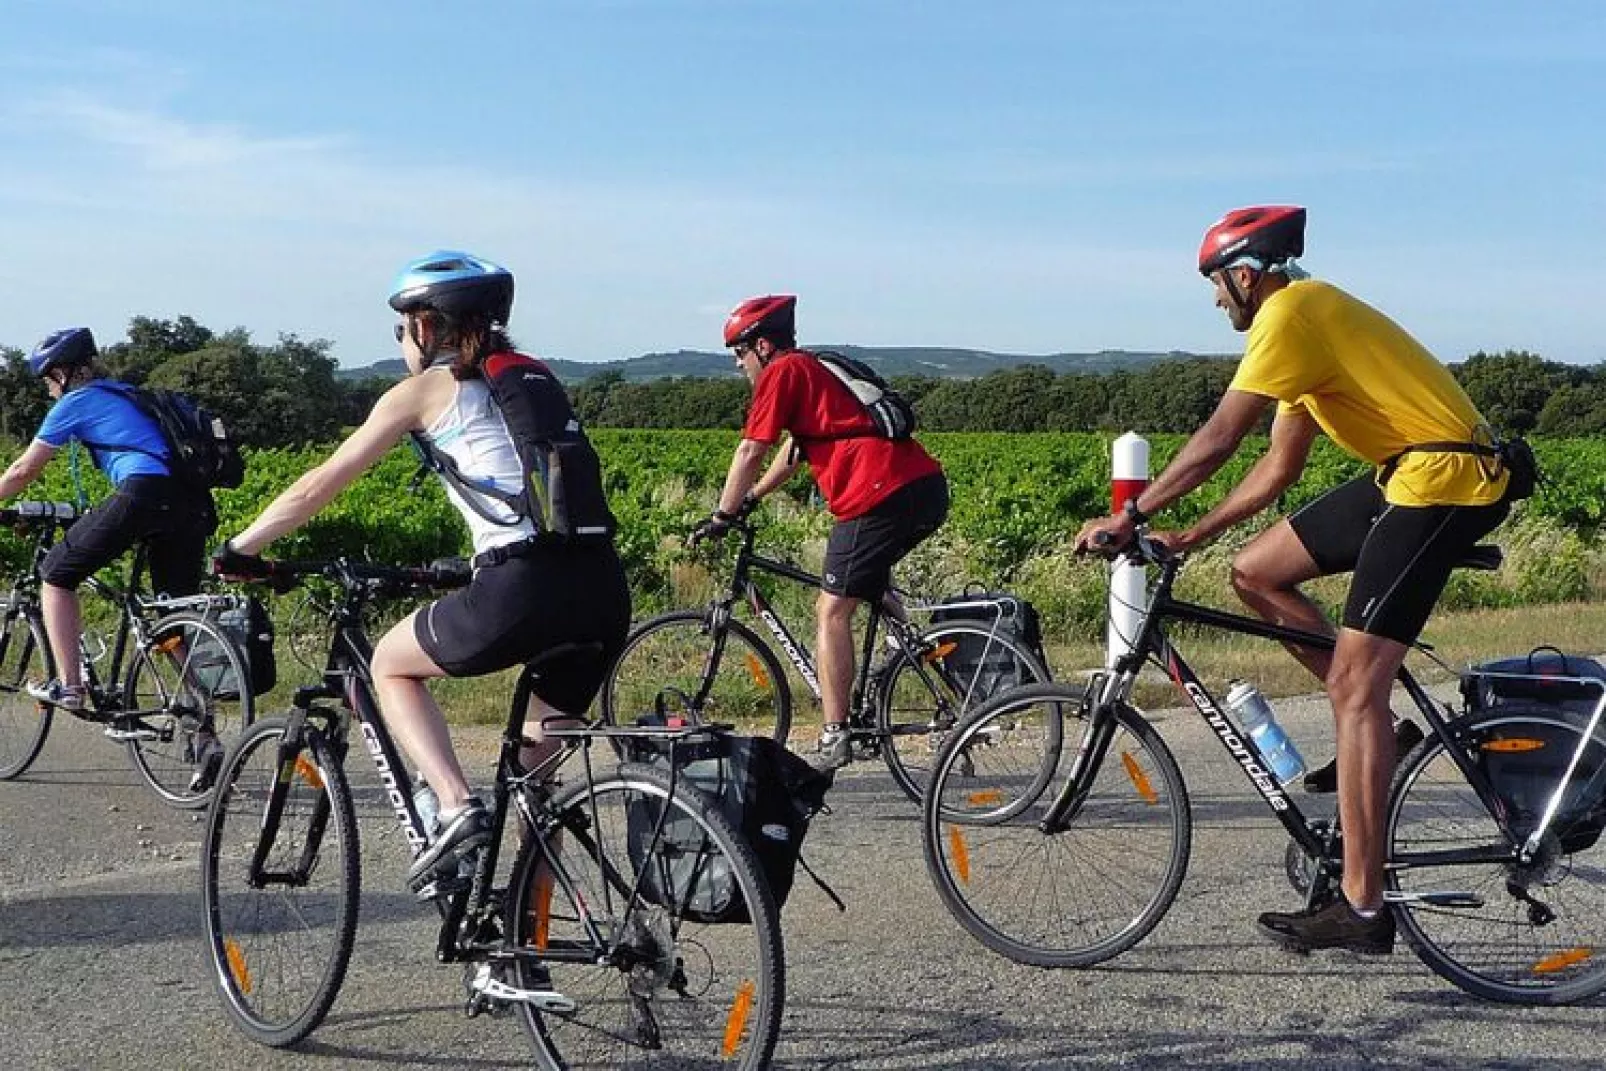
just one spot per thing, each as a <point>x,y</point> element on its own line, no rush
<point>171,644</point>
<point>961,854</point>
<point>941,651</point>
<point>237,968</point>
<point>1514,743</point>
<point>1140,780</point>
<point>985,797</point>
<point>1562,960</point>
<point>543,910</point>
<point>308,772</point>
<point>755,668</point>
<point>736,1021</point>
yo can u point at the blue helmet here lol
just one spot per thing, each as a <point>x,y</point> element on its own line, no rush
<point>455,284</point>
<point>71,347</point>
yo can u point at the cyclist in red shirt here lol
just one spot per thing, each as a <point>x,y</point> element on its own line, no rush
<point>887,495</point>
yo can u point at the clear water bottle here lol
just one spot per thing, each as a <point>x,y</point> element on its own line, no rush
<point>1255,715</point>
<point>427,805</point>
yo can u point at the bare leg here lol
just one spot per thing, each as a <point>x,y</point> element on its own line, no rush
<point>400,669</point>
<point>63,624</point>
<point>1362,675</point>
<point>834,647</point>
<point>1267,574</point>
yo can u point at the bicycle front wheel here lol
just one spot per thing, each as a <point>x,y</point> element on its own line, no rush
<point>1500,929</point>
<point>279,946</point>
<point>727,674</point>
<point>964,665</point>
<point>1094,884</point>
<point>190,690</point>
<point>653,981</point>
<point>24,721</point>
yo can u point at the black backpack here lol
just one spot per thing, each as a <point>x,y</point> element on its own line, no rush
<point>562,493</point>
<point>991,666</point>
<point>893,416</point>
<point>199,450</point>
<point>768,794</point>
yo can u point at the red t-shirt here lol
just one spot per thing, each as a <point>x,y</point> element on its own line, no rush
<point>797,393</point>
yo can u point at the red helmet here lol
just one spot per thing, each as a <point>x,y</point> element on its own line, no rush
<point>771,315</point>
<point>1269,234</point>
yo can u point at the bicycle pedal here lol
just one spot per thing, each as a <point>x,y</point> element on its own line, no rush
<point>112,732</point>
<point>486,984</point>
<point>439,886</point>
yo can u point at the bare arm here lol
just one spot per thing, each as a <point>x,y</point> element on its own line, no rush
<point>1205,452</point>
<point>782,467</point>
<point>744,470</point>
<point>23,471</point>
<point>395,414</point>
<point>1291,438</point>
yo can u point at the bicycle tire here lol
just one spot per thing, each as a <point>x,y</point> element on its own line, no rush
<point>210,682</point>
<point>24,721</point>
<point>676,653</point>
<point>1496,950</point>
<point>261,938</point>
<point>903,695</point>
<point>725,1015</point>
<point>1123,848</point>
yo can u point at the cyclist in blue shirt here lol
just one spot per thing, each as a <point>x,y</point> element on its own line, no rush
<point>148,503</point>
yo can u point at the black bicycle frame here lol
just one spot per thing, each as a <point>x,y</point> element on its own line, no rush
<point>1152,641</point>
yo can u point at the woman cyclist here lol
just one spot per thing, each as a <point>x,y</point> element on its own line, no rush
<point>533,589</point>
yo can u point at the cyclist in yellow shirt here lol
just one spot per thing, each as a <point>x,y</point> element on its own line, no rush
<point>1334,365</point>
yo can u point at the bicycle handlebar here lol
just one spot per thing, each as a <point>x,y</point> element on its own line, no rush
<point>442,574</point>
<point>1140,548</point>
<point>39,514</point>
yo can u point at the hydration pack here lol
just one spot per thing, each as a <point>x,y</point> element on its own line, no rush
<point>889,411</point>
<point>199,450</point>
<point>562,492</point>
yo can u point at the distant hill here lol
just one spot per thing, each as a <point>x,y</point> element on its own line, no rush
<point>888,360</point>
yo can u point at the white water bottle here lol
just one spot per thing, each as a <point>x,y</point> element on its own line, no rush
<point>427,805</point>
<point>1255,715</point>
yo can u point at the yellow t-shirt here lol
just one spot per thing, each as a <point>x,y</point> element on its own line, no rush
<point>1373,389</point>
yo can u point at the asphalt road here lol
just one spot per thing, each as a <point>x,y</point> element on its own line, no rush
<point>102,965</point>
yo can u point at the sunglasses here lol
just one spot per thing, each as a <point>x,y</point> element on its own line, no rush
<point>742,349</point>
<point>401,331</point>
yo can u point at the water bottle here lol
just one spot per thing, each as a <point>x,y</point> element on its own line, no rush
<point>1254,714</point>
<point>427,805</point>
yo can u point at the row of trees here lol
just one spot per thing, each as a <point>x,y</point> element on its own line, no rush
<point>288,394</point>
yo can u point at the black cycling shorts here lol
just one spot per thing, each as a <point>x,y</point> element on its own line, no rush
<point>513,611</point>
<point>174,521</point>
<point>860,554</point>
<point>1401,555</point>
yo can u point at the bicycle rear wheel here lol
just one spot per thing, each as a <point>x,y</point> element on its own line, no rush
<point>662,989</point>
<point>971,662</point>
<point>189,686</point>
<point>279,950</point>
<point>24,721</point>
<point>1520,934</point>
<point>1093,887</point>
<point>735,675</point>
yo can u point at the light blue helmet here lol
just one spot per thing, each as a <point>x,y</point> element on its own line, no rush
<point>455,284</point>
<point>70,347</point>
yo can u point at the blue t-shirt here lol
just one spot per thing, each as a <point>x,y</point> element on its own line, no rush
<point>123,441</point>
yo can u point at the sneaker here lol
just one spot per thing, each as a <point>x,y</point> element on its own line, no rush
<point>835,750</point>
<point>462,834</point>
<point>208,760</point>
<point>1334,925</point>
<point>1325,779</point>
<point>57,694</point>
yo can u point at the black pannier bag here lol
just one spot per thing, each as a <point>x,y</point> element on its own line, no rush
<point>977,661</point>
<point>247,623</point>
<point>1525,762</point>
<point>768,795</point>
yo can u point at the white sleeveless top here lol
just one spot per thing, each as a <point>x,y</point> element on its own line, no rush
<point>472,433</point>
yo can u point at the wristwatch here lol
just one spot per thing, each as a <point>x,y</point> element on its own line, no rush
<point>1135,515</point>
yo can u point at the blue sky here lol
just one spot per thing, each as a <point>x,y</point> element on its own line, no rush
<point>1019,176</point>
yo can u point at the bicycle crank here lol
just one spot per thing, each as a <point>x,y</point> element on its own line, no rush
<point>486,984</point>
